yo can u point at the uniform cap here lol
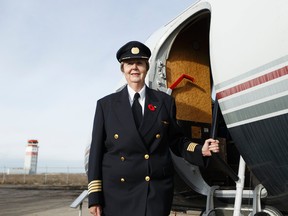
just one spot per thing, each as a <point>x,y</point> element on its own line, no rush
<point>133,50</point>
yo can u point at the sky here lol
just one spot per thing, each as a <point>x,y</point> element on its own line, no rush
<point>57,58</point>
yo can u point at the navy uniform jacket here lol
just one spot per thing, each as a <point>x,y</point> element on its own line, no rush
<point>130,171</point>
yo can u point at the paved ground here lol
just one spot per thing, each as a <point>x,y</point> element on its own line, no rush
<point>45,202</point>
<point>34,202</point>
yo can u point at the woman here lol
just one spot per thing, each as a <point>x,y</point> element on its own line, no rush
<point>130,169</point>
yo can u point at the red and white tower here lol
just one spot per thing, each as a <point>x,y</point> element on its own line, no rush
<point>31,157</point>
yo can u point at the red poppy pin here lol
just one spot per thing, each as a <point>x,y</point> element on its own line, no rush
<point>151,107</point>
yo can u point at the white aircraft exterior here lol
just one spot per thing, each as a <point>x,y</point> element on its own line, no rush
<point>248,60</point>
<point>237,51</point>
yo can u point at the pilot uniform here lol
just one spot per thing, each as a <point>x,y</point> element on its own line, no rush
<point>130,170</point>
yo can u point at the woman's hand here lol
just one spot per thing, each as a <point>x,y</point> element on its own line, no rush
<point>210,145</point>
<point>95,210</point>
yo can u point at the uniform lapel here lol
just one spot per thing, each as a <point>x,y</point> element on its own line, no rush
<point>151,111</point>
<point>123,108</point>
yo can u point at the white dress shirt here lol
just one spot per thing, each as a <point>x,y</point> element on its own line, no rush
<point>141,99</point>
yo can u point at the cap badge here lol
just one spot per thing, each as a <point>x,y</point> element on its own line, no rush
<point>135,50</point>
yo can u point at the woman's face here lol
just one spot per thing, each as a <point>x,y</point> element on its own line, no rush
<point>135,71</point>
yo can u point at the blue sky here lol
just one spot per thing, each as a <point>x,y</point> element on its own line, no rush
<point>57,58</point>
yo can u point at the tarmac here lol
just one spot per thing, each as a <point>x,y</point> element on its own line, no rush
<point>46,202</point>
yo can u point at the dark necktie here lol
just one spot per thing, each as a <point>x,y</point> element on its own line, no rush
<point>137,110</point>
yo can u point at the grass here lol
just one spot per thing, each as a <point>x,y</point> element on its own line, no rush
<point>50,179</point>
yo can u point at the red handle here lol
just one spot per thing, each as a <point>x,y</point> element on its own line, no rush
<point>180,79</point>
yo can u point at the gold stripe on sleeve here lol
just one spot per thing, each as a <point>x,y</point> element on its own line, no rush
<point>95,186</point>
<point>191,147</point>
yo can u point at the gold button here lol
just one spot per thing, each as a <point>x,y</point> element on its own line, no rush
<point>158,136</point>
<point>146,156</point>
<point>147,178</point>
<point>116,136</point>
<point>122,180</point>
<point>122,158</point>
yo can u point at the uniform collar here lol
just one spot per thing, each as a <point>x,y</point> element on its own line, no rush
<point>131,93</point>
